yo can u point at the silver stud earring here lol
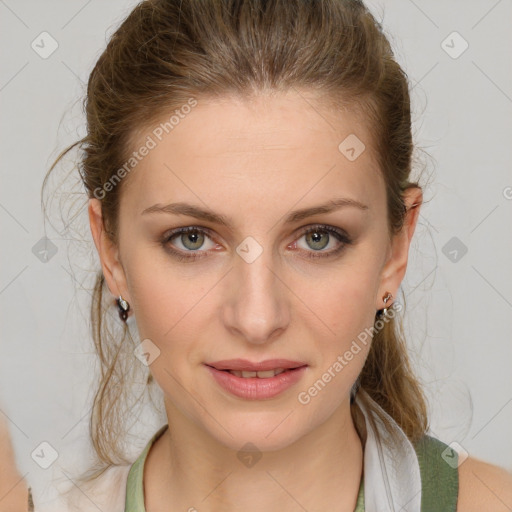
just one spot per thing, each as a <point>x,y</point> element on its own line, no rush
<point>123,308</point>
<point>388,296</point>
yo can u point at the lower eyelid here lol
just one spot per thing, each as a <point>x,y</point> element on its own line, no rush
<point>342,238</point>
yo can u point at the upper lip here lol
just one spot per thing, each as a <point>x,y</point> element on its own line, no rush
<point>246,365</point>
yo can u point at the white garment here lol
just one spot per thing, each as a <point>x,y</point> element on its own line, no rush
<point>392,480</point>
<point>107,494</point>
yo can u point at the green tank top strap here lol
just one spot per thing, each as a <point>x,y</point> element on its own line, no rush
<point>134,498</point>
<point>360,498</point>
<point>439,475</point>
<point>134,484</point>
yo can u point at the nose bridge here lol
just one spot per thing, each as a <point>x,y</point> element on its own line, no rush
<point>257,300</point>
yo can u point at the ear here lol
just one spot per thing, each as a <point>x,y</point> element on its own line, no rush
<point>108,252</point>
<point>394,269</point>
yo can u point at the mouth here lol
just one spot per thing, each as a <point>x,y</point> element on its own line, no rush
<point>264,374</point>
<point>263,369</point>
<point>257,384</point>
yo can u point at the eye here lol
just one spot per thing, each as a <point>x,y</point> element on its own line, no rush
<point>320,236</point>
<point>192,240</point>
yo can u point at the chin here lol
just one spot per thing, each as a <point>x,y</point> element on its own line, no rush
<point>259,432</point>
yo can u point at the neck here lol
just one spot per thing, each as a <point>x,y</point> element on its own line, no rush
<point>322,470</point>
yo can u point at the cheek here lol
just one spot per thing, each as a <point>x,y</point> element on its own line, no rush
<point>349,305</point>
<point>168,305</point>
<point>154,294</point>
<point>348,309</point>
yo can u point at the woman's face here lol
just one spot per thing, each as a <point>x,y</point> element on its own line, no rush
<point>255,286</point>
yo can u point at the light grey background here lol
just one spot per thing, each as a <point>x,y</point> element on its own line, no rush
<point>459,306</point>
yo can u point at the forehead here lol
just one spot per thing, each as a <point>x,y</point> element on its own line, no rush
<point>286,148</point>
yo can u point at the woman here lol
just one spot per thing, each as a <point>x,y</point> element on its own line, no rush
<point>248,166</point>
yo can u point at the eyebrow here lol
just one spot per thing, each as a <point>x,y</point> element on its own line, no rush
<point>295,216</point>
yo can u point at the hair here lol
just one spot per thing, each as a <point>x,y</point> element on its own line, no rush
<point>166,52</point>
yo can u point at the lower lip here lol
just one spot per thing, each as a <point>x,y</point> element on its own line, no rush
<point>254,388</point>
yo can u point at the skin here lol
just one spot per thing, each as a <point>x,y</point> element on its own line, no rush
<point>255,162</point>
<point>13,487</point>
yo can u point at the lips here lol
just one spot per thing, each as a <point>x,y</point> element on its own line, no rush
<point>259,387</point>
<point>249,366</point>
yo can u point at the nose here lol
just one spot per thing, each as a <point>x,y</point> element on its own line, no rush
<point>257,305</point>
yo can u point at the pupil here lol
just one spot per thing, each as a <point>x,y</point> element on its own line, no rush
<point>191,240</point>
<point>316,239</point>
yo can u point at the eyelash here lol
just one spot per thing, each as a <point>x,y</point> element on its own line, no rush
<point>339,234</point>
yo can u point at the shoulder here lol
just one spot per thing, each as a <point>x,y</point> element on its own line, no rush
<point>483,486</point>
<point>464,485</point>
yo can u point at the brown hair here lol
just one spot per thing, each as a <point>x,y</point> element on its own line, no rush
<point>167,52</point>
